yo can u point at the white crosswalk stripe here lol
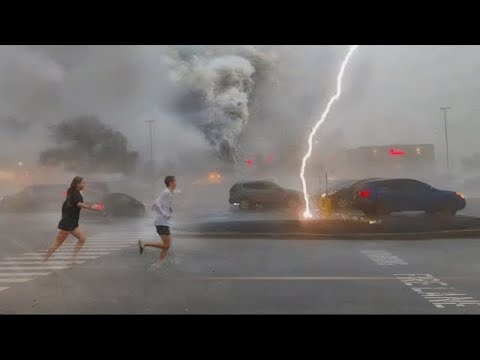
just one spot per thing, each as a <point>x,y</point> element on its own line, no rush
<point>86,249</point>
<point>45,267</point>
<point>69,252</point>
<point>28,266</point>
<point>14,280</point>
<point>20,274</point>
<point>38,262</point>
<point>53,257</point>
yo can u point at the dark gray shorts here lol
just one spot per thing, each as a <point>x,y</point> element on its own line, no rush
<point>163,230</point>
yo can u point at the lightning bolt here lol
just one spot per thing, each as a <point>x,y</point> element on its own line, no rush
<point>308,214</point>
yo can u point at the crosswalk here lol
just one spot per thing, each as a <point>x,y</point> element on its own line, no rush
<point>28,266</point>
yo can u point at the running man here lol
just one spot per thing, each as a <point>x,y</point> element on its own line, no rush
<point>163,206</point>
<point>70,217</point>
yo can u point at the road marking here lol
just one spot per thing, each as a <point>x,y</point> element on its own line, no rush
<point>103,242</point>
<point>383,258</point>
<point>35,257</point>
<point>13,268</point>
<point>68,252</point>
<point>92,247</point>
<point>15,280</point>
<point>64,250</point>
<point>303,278</point>
<point>114,238</point>
<point>111,238</point>
<point>52,267</point>
<point>124,234</point>
<point>436,291</point>
<point>40,262</point>
<point>24,274</point>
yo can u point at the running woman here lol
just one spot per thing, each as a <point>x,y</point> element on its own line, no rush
<point>163,206</point>
<point>70,216</point>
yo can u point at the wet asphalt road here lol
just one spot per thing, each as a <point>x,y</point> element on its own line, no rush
<point>233,276</point>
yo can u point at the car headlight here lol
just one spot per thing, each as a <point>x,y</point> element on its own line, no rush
<point>460,195</point>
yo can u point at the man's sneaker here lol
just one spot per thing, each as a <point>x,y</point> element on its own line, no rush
<point>140,247</point>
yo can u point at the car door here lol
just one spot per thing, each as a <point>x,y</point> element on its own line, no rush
<point>274,194</point>
<point>390,194</point>
<point>415,195</point>
<point>420,195</point>
<point>259,192</point>
<point>251,192</point>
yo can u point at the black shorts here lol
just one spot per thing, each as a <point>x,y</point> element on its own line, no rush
<point>163,230</point>
<point>67,225</point>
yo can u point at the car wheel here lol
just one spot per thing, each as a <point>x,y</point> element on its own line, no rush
<point>244,204</point>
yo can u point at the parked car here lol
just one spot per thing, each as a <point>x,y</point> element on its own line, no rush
<point>123,205</point>
<point>341,194</point>
<point>248,195</point>
<point>35,198</point>
<point>50,197</point>
<point>384,196</point>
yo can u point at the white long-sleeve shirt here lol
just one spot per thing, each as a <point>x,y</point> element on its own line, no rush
<point>164,208</point>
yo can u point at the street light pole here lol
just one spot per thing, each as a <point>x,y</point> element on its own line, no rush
<point>444,109</point>
<point>150,122</point>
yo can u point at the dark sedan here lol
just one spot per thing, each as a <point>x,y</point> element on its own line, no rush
<point>122,205</point>
<point>382,197</point>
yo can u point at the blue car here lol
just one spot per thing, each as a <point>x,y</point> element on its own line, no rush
<point>384,196</point>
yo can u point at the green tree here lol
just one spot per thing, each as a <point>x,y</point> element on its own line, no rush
<point>86,144</point>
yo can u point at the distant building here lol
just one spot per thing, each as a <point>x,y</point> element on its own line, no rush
<point>390,160</point>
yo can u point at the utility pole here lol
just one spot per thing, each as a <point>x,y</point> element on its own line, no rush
<point>444,109</point>
<point>150,167</point>
<point>150,122</point>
